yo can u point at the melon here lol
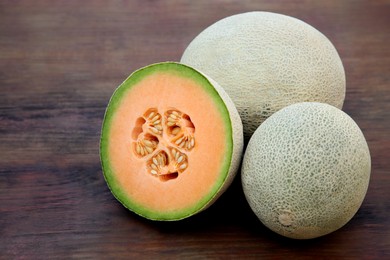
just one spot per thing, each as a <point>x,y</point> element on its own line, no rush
<point>306,170</point>
<point>171,142</point>
<point>266,61</point>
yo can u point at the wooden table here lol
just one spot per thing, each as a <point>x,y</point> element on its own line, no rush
<point>60,61</point>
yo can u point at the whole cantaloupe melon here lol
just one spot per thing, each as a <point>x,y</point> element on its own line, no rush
<point>266,61</point>
<point>306,170</point>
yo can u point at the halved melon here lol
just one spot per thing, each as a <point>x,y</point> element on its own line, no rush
<point>171,142</point>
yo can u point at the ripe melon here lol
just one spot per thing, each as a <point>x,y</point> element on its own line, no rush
<point>266,61</point>
<point>306,170</point>
<point>171,142</point>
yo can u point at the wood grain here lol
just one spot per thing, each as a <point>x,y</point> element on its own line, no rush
<point>61,60</point>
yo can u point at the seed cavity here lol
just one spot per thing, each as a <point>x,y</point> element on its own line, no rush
<point>169,176</point>
<point>185,141</point>
<point>179,160</point>
<point>159,166</point>
<point>137,130</point>
<point>174,126</point>
<point>181,128</point>
<point>175,130</point>
<point>145,145</point>
<point>154,122</point>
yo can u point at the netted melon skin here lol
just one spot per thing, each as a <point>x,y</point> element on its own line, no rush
<point>306,170</point>
<point>266,61</point>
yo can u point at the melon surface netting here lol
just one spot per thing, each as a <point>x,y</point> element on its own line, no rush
<point>306,170</point>
<point>266,61</point>
<point>171,142</point>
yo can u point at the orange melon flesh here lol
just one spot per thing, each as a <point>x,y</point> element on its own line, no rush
<point>163,88</point>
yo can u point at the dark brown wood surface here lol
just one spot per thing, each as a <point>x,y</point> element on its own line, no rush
<point>60,61</point>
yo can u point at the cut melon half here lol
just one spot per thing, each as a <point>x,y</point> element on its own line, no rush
<point>171,142</point>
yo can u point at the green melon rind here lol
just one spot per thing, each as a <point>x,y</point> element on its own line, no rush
<point>234,140</point>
